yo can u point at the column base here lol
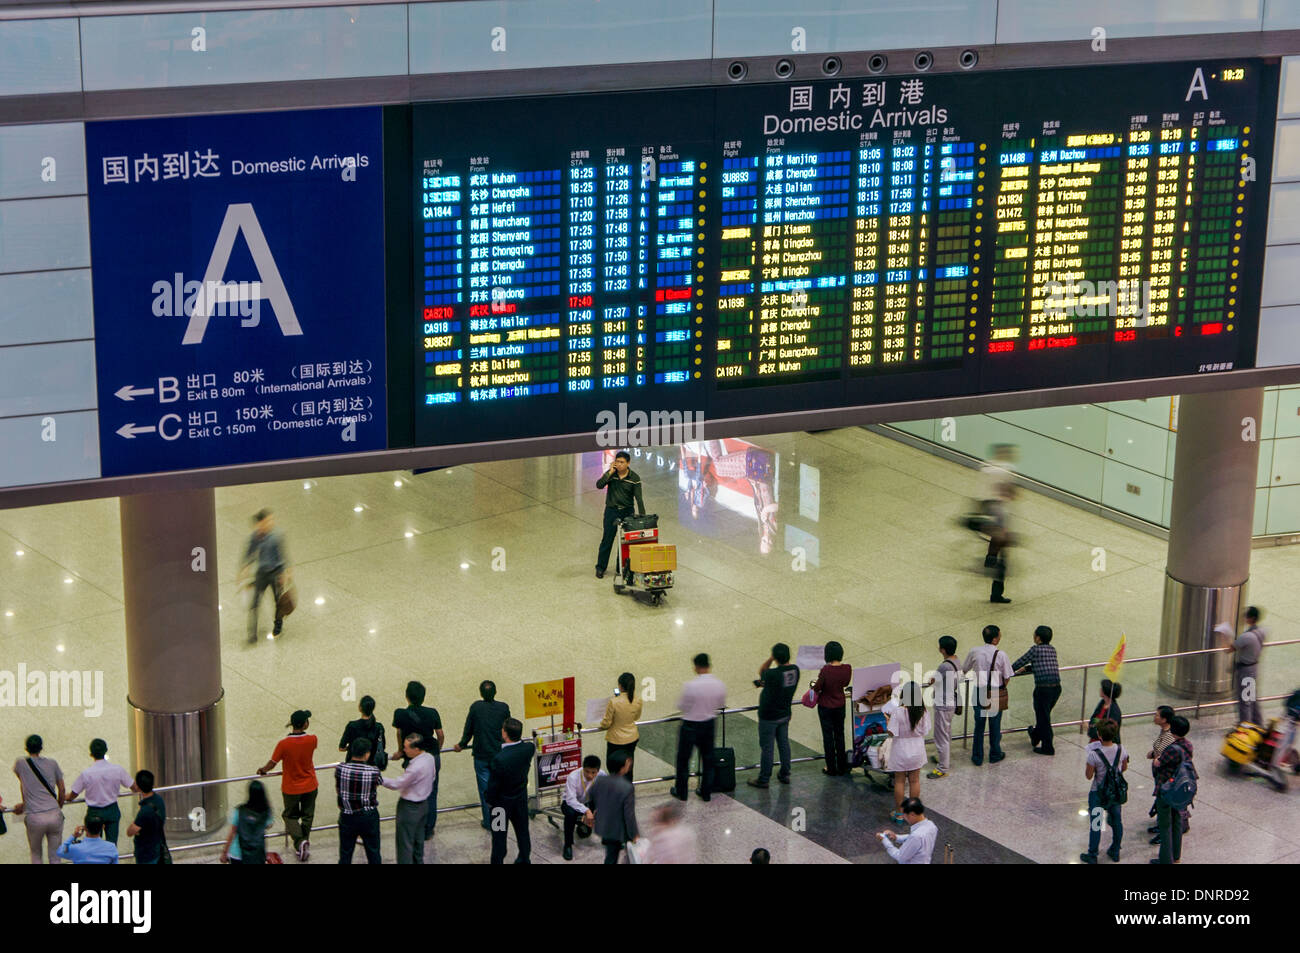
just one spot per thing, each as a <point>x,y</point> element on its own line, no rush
<point>1187,623</point>
<point>179,748</point>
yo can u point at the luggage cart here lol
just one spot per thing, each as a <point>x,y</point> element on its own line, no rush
<point>633,531</point>
<point>1250,748</point>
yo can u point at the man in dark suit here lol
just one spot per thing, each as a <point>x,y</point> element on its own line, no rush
<point>507,792</point>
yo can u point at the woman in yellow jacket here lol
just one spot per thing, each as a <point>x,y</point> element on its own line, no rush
<point>620,719</point>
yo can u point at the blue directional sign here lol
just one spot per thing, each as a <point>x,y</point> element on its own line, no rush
<point>238,269</point>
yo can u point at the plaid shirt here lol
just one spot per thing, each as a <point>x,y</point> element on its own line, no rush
<point>1042,660</point>
<point>1166,764</point>
<point>357,782</point>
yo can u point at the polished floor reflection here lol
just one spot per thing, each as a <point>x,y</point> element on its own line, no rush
<point>486,571</point>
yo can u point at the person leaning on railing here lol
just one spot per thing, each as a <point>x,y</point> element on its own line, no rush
<point>249,822</point>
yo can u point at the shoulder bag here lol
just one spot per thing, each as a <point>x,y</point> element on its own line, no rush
<point>45,784</point>
<point>956,691</point>
<point>1004,696</point>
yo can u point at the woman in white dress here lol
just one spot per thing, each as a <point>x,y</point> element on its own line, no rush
<point>909,723</point>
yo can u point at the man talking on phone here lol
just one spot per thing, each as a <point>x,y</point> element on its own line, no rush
<point>622,487</point>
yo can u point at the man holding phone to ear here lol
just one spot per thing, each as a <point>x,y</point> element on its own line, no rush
<point>622,488</point>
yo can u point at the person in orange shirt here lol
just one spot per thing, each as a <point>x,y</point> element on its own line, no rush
<point>298,784</point>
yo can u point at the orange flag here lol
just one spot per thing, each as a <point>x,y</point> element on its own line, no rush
<point>1116,662</point>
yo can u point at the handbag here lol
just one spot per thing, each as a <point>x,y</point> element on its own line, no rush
<point>809,699</point>
<point>638,851</point>
<point>1004,696</point>
<point>287,602</point>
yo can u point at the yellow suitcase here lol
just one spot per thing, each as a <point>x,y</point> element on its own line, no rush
<point>1240,745</point>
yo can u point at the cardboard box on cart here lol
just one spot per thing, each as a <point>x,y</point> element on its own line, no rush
<point>652,557</point>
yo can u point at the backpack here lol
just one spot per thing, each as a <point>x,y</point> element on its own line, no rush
<point>378,748</point>
<point>1292,705</point>
<point>1180,790</point>
<point>1114,786</point>
<point>250,829</point>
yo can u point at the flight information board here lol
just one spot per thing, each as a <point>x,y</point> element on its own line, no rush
<point>763,248</point>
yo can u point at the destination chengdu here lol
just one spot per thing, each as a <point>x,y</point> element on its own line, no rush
<point>299,164</point>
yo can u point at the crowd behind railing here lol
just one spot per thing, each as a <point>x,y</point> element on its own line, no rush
<point>598,798</point>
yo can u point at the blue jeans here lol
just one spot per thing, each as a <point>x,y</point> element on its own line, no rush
<point>777,730</point>
<point>1113,817</point>
<point>482,772</point>
<point>995,733</point>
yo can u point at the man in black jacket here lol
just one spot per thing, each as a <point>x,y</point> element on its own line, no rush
<point>624,489</point>
<point>483,734</point>
<point>507,792</point>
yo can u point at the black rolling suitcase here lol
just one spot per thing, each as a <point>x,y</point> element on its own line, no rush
<point>724,765</point>
<point>724,770</point>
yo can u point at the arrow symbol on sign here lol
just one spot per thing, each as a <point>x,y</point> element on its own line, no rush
<point>127,392</point>
<point>130,430</point>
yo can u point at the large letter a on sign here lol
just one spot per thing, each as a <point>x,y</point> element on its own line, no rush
<point>241,218</point>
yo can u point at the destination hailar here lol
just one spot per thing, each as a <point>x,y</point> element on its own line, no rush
<point>896,118</point>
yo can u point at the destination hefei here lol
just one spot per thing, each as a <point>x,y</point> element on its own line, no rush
<point>929,116</point>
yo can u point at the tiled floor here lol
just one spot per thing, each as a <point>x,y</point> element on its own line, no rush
<point>485,572</point>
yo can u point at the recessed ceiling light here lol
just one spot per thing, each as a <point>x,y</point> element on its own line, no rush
<point>9,613</point>
<point>69,579</point>
<point>320,600</point>
<point>20,553</point>
<point>357,509</point>
<point>373,631</point>
<point>306,486</point>
<point>58,648</point>
<point>680,622</point>
<point>397,483</point>
<point>464,565</point>
<point>409,534</point>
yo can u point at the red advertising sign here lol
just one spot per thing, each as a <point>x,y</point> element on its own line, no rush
<point>556,757</point>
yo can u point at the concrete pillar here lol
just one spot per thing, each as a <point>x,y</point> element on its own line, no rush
<point>173,651</point>
<point>1211,519</point>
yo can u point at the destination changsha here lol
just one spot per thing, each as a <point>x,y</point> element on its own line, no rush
<point>886,114</point>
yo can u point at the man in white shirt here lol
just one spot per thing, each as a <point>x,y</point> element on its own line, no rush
<point>916,846</point>
<point>701,698</point>
<point>102,782</point>
<point>414,787</point>
<point>574,805</point>
<point>993,671</point>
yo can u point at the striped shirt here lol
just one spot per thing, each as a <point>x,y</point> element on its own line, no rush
<point>1042,660</point>
<point>1163,741</point>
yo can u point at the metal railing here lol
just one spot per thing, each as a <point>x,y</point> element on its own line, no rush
<point>1081,722</point>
